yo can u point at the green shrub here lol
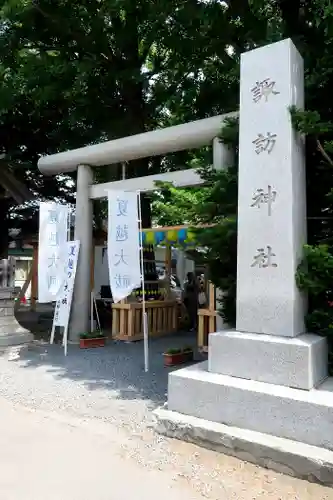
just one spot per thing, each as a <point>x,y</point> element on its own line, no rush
<point>315,277</point>
<point>91,335</point>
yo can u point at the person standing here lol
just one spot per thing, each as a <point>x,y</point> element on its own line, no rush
<point>191,292</point>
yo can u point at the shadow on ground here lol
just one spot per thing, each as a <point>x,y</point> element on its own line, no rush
<point>119,367</point>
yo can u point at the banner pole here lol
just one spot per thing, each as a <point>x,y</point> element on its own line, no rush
<point>69,221</point>
<point>91,311</point>
<point>97,315</point>
<point>144,313</point>
<point>65,339</point>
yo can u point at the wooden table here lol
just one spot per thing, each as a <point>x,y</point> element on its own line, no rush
<point>127,319</point>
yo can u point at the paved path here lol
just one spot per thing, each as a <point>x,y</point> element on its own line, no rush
<point>44,457</point>
<point>85,422</point>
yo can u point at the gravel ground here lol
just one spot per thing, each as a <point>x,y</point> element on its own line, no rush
<point>109,386</point>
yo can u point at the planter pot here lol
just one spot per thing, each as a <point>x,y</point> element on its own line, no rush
<point>177,359</point>
<point>94,342</point>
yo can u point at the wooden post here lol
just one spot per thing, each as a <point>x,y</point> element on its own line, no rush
<point>34,277</point>
<point>212,320</point>
<point>211,296</point>
<point>207,319</point>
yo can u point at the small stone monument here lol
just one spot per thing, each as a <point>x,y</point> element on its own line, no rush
<point>11,332</point>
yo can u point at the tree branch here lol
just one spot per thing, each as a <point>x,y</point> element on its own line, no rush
<point>75,34</point>
<point>323,152</point>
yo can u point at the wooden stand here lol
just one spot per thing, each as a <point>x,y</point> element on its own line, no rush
<point>127,319</point>
<point>162,315</point>
<point>207,321</point>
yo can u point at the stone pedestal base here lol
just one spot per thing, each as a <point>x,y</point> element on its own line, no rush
<point>299,362</point>
<point>255,398</point>
<point>11,332</point>
<point>304,416</point>
<point>286,429</point>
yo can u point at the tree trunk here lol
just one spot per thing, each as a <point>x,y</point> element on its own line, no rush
<point>132,93</point>
<point>290,12</point>
<point>4,226</point>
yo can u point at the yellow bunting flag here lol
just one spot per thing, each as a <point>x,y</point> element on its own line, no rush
<point>150,237</point>
<point>190,236</point>
<point>171,235</point>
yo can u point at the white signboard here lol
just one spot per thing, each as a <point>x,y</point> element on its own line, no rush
<point>123,243</point>
<point>53,223</point>
<point>63,305</point>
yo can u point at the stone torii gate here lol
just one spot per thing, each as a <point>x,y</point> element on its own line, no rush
<point>262,394</point>
<point>187,136</point>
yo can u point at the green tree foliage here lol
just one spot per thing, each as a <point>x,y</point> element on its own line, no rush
<point>215,207</point>
<point>75,73</point>
<point>314,274</point>
<point>310,25</point>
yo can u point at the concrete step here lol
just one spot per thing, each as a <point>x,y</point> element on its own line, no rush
<point>279,454</point>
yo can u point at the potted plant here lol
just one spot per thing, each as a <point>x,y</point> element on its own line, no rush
<point>188,353</point>
<point>92,339</point>
<point>174,357</point>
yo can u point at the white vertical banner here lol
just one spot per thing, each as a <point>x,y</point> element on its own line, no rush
<point>63,305</point>
<point>53,224</point>
<point>123,243</point>
<point>64,302</point>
